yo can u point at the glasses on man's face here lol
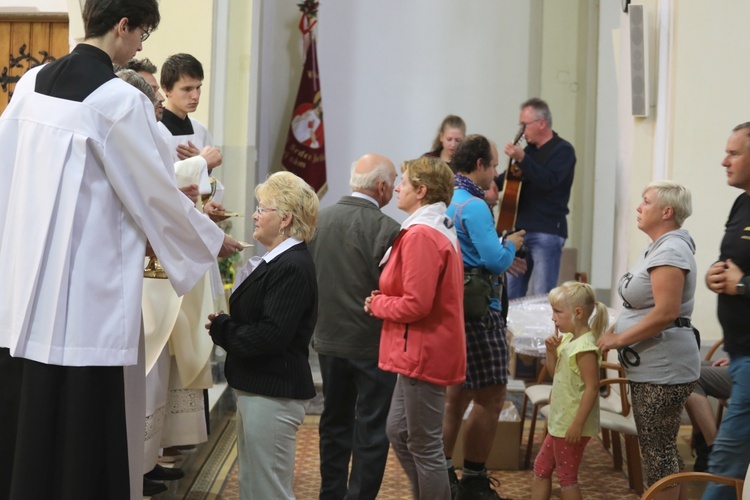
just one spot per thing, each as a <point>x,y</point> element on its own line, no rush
<point>261,210</point>
<point>146,33</point>
<point>526,124</point>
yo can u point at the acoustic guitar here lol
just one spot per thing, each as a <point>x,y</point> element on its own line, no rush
<point>506,219</point>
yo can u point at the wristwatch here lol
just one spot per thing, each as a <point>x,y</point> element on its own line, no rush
<point>741,286</point>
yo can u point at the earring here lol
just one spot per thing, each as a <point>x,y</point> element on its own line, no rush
<point>281,231</point>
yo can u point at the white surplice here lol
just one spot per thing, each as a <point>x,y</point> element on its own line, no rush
<point>189,345</point>
<point>160,304</point>
<point>161,311</point>
<point>200,138</point>
<point>71,256</point>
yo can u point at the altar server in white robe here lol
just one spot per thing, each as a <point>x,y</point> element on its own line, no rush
<point>181,80</point>
<point>164,318</point>
<point>160,310</point>
<point>86,181</point>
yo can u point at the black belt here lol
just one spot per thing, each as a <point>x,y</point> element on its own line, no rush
<point>683,323</point>
<point>480,271</point>
<point>629,357</point>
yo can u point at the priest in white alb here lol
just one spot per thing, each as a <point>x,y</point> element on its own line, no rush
<point>86,182</point>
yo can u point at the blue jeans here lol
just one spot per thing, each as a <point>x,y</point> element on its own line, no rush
<point>730,455</point>
<point>543,266</point>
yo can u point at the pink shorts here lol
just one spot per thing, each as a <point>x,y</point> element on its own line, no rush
<point>566,458</point>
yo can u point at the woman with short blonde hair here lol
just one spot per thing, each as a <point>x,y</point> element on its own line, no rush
<point>656,342</point>
<point>289,194</point>
<point>676,196</point>
<point>437,180</point>
<point>273,313</point>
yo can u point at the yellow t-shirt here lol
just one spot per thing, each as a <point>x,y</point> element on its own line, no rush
<point>568,386</point>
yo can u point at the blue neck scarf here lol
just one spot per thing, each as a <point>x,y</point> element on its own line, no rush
<point>462,182</point>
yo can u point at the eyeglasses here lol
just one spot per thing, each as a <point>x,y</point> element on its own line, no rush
<point>526,124</point>
<point>261,210</point>
<point>145,35</point>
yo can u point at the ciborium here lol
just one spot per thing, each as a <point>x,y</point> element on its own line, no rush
<point>154,270</point>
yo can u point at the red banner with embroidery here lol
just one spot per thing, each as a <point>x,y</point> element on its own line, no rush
<point>304,153</point>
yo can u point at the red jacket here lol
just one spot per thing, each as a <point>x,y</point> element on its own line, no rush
<point>421,304</point>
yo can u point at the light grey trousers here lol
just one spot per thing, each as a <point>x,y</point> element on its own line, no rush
<point>415,430</point>
<point>266,442</point>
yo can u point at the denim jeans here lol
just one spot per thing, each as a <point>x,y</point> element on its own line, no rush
<point>543,266</point>
<point>731,452</point>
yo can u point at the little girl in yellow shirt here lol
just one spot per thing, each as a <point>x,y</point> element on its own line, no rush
<point>573,359</point>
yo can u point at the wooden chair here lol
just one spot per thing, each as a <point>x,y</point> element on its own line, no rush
<point>714,348</point>
<point>538,395</point>
<point>623,423</point>
<point>610,400</point>
<point>684,477</point>
<point>723,403</point>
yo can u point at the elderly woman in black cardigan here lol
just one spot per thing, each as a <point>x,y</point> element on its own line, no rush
<point>266,337</point>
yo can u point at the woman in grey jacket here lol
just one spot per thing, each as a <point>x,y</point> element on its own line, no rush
<point>656,343</point>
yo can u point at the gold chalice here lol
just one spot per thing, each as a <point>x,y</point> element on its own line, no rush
<point>154,270</point>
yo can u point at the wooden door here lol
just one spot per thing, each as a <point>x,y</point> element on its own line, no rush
<point>28,40</point>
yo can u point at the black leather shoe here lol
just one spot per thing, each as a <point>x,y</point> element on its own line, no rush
<point>453,481</point>
<point>478,488</point>
<point>152,488</point>
<point>160,473</point>
<point>702,451</point>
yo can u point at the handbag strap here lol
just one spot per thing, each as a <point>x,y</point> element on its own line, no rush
<point>502,280</point>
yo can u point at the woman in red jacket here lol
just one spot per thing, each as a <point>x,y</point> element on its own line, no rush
<point>421,304</point>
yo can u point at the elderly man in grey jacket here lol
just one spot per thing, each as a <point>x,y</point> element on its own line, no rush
<point>351,239</point>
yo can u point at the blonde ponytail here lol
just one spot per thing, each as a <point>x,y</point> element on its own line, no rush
<point>576,294</point>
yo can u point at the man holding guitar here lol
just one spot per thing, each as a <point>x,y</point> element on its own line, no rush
<point>547,165</point>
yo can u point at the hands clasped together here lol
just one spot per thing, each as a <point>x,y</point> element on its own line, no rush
<point>723,276</point>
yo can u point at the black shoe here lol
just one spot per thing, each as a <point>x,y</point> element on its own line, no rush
<point>478,488</point>
<point>702,451</point>
<point>701,459</point>
<point>160,473</point>
<point>151,488</point>
<point>453,480</point>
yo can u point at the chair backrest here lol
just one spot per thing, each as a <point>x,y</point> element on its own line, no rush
<point>611,398</point>
<point>703,477</point>
<point>612,359</point>
<point>714,349</point>
<point>623,405</point>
